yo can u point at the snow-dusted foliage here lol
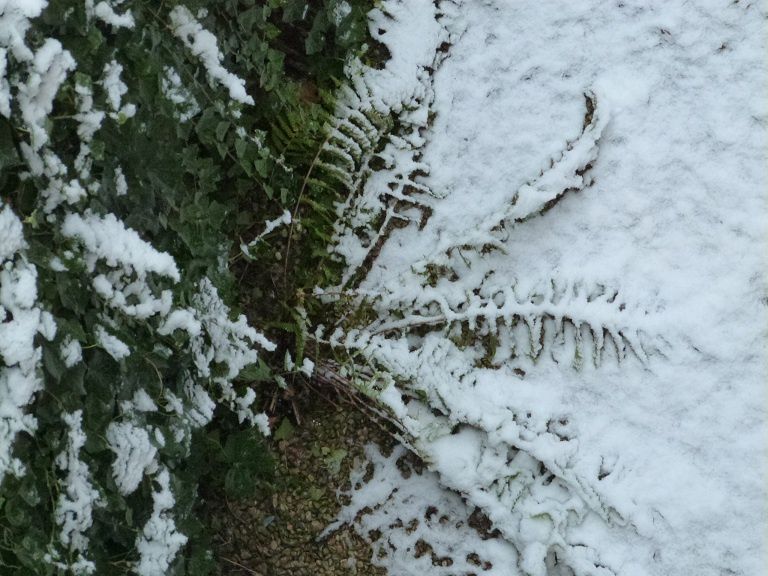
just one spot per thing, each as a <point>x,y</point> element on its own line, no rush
<point>95,321</point>
<point>204,46</point>
<point>21,320</point>
<point>375,140</point>
<point>159,541</point>
<point>74,509</point>
<point>417,527</point>
<point>105,11</point>
<point>134,454</point>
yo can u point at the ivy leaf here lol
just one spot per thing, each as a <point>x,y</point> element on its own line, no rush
<point>259,372</point>
<point>317,35</point>
<point>221,130</point>
<point>9,157</point>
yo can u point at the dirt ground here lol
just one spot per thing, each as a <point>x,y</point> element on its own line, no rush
<point>276,533</point>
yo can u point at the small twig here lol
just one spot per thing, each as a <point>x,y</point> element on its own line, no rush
<point>240,566</point>
<point>298,203</point>
<point>296,412</point>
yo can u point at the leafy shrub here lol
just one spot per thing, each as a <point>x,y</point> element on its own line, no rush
<point>138,140</point>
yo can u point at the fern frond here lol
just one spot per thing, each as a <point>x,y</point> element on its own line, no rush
<point>373,151</point>
<point>587,322</point>
<point>569,172</point>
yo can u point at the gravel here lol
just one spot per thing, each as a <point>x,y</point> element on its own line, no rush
<point>275,534</point>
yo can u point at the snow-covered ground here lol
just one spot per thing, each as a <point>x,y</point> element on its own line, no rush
<point>662,197</point>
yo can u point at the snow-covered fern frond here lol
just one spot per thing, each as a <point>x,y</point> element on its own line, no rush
<point>560,319</point>
<point>518,465</point>
<point>374,144</point>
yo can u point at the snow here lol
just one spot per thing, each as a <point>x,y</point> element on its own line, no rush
<point>407,507</point>
<point>618,422</point>
<point>230,341</point>
<point>74,509</point>
<point>71,352</point>
<point>14,23</point>
<point>21,319</point>
<point>142,402</point>
<point>307,367</point>
<point>340,11</point>
<point>116,89</point>
<point>107,238</point>
<point>134,454</point>
<point>270,225</point>
<point>113,85</point>
<point>175,91</point>
<point>130,259</point>
<point>159,541</point>
<point>204,46</point>
<point>49,69</point>
<point>11,234</point>
<point>181,319</point>
<point>121,185</point>
<point>230,344</point>
<point>400,92</point>
<point>201,409</point>
<point>5,88</point>
<point>112,345</point>
<point>105,11</point>
<point>131,280</point>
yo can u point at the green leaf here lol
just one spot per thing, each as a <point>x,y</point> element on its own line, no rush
<point>221,130</point>
<point>259,372</point>
<point>315,41</point>
<point>16,512</point>
<point>9,157</point>
<point>285,431</point>
<point>333,460</point>
<point>52,361</point>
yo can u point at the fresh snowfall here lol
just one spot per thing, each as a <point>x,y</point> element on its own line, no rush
<point>572,305</point>
<point>555,221</point>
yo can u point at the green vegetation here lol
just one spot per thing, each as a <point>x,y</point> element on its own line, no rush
<point>203,173</point>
